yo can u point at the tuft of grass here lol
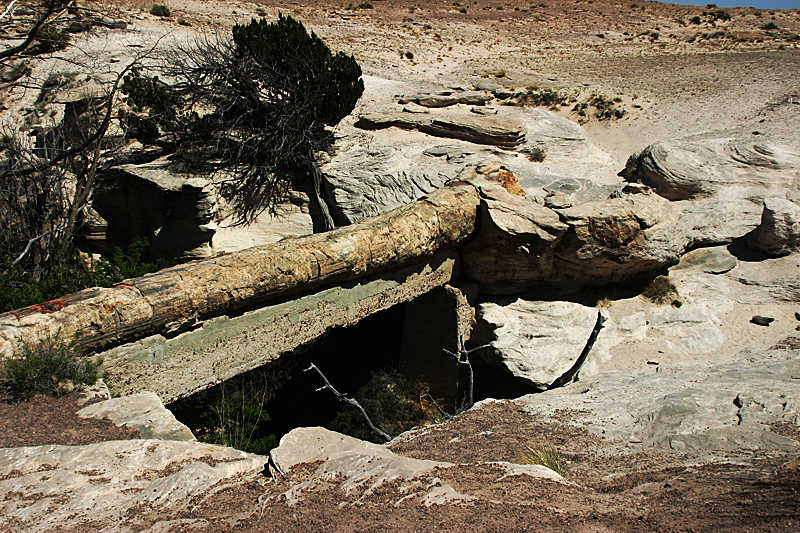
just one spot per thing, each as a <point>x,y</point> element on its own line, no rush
<point>661,290</point>
<point>50,367</point>
<point>545,456</point>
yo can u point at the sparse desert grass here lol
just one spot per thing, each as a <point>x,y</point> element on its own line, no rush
<point>546,456</point>
<point>661,290</point>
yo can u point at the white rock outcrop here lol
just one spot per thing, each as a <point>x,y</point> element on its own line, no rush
<point>701,408</point>
<point>59,487</point>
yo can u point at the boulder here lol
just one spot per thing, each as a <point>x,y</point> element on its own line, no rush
<point>716,260</point>
<point>684,170</point>
<point>536,342</point>
<point>553,134</point>
<point>360,466</point>
<point>374,171</point>
<point>516,242</point>
<point>779,231</point>
<point>366,182</point>
<point>522,244</point>
<point>720,184</point>
<point>175,214</point>
<point>143,411</point>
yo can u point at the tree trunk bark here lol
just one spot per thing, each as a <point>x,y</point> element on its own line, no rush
<point>316,175</point>
<point>175,298</point>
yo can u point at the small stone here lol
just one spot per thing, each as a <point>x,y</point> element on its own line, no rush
<point>484,110</point>
<point>762,320</point>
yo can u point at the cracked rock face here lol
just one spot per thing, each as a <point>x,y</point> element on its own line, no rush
<point>393,158</point>
<point>54,487</point>
<point>694,407</point>
<point>360,467</point>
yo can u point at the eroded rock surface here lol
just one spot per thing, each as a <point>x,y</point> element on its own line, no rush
<point>105,482</point>
<point>143,411</point>
<point>779,231</point>
<point>684,170</point>
<point>699,408</point>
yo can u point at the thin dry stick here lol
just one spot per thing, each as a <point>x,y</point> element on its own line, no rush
<point>350,401</point>
<point>463,359</point>
<point>572,372</point>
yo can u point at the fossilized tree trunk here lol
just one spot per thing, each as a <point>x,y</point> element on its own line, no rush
<point>176,298</point>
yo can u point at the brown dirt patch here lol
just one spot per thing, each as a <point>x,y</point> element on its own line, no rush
<point>46,419</point>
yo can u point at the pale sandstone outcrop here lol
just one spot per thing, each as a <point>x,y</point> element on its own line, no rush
<point>361,467</point>
<point>779,231</point>
<point>700,408</point>
<point>143,411</point>
<point>105,482</point>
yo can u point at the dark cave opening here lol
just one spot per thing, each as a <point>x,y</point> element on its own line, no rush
<point>407,338</point>
<point>347,356</point>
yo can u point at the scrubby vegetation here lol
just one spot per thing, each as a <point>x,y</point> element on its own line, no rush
<point>19,288</point>
<point>661,290</point>
<point>259,131</point>
<point>233,416</point>
<point>393,403</point>
<point>50,367</point>
<point>160,10</point>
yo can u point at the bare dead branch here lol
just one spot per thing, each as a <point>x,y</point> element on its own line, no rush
<point>573,371</point>
<point>32,33</point>
<point>349,401</point>
<point>463,359</point>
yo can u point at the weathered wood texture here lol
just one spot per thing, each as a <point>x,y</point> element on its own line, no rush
<point>176,298</point>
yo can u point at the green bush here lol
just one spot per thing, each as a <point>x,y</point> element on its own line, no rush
<point>160,10</point>
<point>48,367</point>
<point>268,100</point>
<point>20,289</point>
<point>769,26</point>
<point>154,106</point>
<point>721,14</point>
<point>544,97</point>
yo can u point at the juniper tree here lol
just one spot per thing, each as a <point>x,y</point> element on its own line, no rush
<point>257,107</point>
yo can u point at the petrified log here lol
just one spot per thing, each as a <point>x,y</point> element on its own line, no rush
<point>176,298</point>
<point>507,132</point>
